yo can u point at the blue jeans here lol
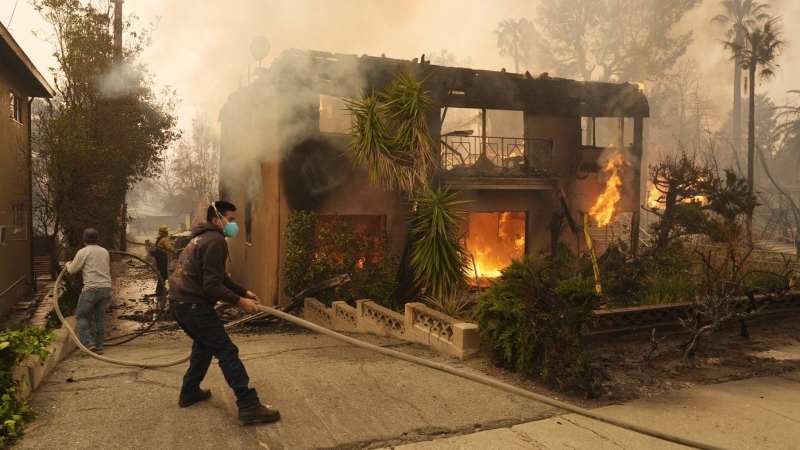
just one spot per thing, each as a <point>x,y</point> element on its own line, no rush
<point>203,325</point>
<point>93,301</point>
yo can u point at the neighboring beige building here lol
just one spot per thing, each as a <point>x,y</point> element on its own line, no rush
<point>20,82</point>
<point>522,147</point>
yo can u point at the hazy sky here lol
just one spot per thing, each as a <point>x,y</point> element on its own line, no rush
<point>201,48</point>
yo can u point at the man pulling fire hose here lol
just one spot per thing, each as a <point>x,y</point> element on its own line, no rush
<point>198,282</point>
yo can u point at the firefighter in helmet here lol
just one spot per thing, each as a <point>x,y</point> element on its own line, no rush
<point>163,250</point>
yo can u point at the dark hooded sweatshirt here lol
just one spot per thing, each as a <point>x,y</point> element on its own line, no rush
<point>200,276</point>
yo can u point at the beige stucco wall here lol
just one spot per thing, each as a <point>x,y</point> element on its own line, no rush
<point>566,134</point>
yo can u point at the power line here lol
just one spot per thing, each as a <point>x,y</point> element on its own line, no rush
<point>12,15</point>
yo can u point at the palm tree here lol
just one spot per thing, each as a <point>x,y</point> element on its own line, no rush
<point>739,15</point>
<point>438,257</point>
<point>789,128</point>
<point>757,52</point>
<point>390,136</point>
<point>512,39</point>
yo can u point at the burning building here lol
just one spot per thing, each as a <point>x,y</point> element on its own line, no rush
<point>522,148</point>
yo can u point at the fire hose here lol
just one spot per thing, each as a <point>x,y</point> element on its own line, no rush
<point>405,357</point>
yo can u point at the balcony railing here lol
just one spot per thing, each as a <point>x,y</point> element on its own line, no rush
<point>463,155</point>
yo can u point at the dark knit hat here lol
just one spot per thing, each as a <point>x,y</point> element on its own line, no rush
<point>90,235</point>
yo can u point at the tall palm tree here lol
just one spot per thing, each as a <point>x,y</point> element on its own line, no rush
<point>760,47</point>
<point>739,15</point>
<point>789,128</point>
<point>512,39</point>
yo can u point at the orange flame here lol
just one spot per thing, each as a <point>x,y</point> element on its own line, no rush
<point>652,198</point>
<point>494,239</point>
<point>603,210</point>
<point>702,199</point>
<point>654,195</point>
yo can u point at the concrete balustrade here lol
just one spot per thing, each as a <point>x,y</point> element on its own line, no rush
<point>419,324</point>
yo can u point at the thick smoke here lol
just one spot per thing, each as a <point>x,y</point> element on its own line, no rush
<point>121,80</point>
<point>202,48</point>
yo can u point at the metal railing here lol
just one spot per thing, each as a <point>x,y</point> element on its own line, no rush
<point>497,156</point>
<point>619,230</point>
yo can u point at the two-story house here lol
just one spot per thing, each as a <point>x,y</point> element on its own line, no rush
<point>20,83</point>
<point>523,148</point>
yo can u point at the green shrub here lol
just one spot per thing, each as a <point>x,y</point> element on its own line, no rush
<point>317,251</point>
<point>646,279</point>
<point>438,257</point>
<point>458,304</point>
<point>532,319</point>
<point>620,276</point>
<point>15,346</point>
<point>664,288</point>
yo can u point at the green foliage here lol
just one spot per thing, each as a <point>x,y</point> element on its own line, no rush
<point>15,347</point>
<point>458,303</point>
<point>647,279</point>
<point>390,134</point>
<point>301,235</point>
<point>533,316</point>
<point>106,128</point>
<point>620,276</point>
<point>663,288</point>
<point>766,281</point>
<point>438,257</point>
<point>730,200</point>
<point>319,250</point>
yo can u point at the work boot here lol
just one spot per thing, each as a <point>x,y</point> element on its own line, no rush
<point>189,400</point>
<point>262,413</point>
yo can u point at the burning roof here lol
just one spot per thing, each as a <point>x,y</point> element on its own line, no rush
<point>345,75</point>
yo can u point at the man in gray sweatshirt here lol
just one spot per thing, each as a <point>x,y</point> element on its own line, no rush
<point>95,266</point>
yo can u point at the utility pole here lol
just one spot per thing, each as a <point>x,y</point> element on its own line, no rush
<point>118,30</point>
<point>123,222</point>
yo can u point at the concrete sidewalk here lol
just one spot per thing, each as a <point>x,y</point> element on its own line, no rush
<point>759,413</point>
<point>332,395</point>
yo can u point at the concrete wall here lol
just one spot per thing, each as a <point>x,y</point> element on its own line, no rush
<point>15,254</point>
<point>566,134</point>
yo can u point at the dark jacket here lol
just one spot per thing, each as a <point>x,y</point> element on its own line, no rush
<point>200,275</point>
